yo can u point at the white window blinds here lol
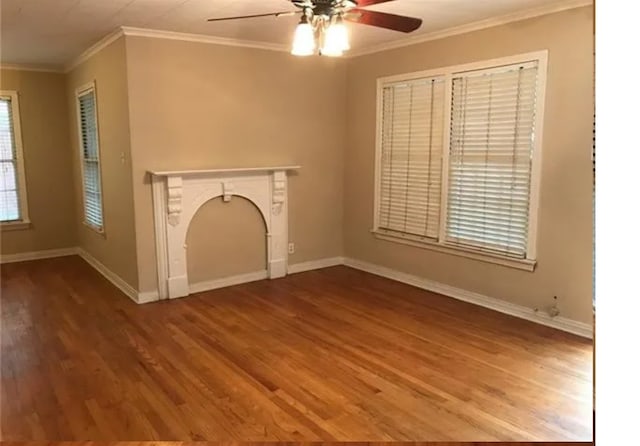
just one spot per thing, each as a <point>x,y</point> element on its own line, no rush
<point>490,159</point>
<point>411,157</point>
<point>9,190</point>
<point>458,158</point>
<point>90,158</point>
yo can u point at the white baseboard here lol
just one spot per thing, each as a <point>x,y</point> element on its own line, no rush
<point>227,281</point>
<point>109,275</point>
<point>36,255</point>
<point>147,297</point>
<point>560,323</point>
<point>315,264</point>
<point>208,285</point>
<point>261,275</point>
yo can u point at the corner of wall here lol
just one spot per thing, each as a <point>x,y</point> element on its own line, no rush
<point>115,249</point>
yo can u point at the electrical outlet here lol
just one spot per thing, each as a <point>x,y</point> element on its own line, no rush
<point>292,248</point>
<point>553,310</point>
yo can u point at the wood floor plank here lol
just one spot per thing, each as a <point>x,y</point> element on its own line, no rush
<point>328,355</point>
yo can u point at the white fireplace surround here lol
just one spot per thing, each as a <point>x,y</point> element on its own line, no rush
<point>177,196</point>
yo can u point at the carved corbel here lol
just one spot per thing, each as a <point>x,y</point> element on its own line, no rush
<point>174,199</point>
<point>279,191</point>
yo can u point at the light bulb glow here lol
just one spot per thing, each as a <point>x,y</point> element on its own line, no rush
<point>336,40</point>
<point>304,42</point>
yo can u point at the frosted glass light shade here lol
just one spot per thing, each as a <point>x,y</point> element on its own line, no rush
<point>336,40</point>
<point>304,42</point>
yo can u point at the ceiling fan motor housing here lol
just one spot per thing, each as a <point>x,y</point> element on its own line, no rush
<point>327,8</point>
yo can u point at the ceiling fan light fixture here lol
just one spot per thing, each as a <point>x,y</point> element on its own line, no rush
<point>321,27</point>
<point>304,40</point>
<point>336,39</point>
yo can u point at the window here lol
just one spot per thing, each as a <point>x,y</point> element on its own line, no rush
<point>90,156</point>
<point>412,141</point>
<point>13,192</point>
<point>458,159</point>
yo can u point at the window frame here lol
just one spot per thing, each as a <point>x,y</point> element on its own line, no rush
<point>448,73</point>
<point>79,92</point>
<point>23,222</point>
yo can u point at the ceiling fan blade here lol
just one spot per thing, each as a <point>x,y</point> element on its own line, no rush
<point>363,3</point>
<point>274,14</point>
<point>384,20</point>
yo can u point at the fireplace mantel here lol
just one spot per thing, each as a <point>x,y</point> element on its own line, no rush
<point>177,196</point>
<point>222,171</point>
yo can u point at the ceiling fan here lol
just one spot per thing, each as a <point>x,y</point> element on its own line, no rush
<point>321,26</point>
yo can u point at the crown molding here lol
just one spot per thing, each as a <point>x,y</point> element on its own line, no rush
<point>170,35</point>
<point>31,67</point>
<point>201,38</point>
<point>94,49</point>
<point>473,26</point>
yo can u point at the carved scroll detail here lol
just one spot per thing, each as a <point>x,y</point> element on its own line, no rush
<point>174,200</point>
<point>279,191</point>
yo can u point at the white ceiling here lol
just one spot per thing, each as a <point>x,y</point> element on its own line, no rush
<point>53,32</point>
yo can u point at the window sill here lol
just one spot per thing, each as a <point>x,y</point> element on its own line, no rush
<point>522,264</point>
<point>15,225</point>
<point>94,228</point>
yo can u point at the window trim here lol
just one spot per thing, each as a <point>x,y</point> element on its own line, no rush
<point>24,222</point>
<point>79,92</point>
<point>440,245</point>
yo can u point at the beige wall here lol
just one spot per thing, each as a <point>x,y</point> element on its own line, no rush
<point>45,138</point>
<point>565,215</point>
<point>196,105</point>
<point>116,248</point>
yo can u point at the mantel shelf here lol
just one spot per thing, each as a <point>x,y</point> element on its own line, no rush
<point>239,170</point>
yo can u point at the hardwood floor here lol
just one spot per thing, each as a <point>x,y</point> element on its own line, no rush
<point>288,443</point>
<point>233,443</point>
<point>333,354</point>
